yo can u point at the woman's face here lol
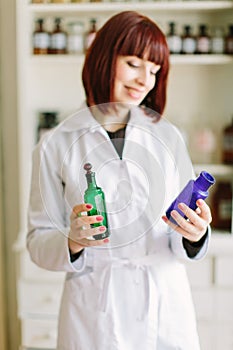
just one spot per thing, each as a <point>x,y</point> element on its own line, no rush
<point>135,78</point>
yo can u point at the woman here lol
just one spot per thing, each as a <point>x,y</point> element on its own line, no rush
<point>129,290</point>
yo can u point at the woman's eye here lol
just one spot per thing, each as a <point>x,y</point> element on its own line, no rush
<point>133,65</point>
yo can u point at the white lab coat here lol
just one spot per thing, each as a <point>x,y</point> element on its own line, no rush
<point>133,293</point>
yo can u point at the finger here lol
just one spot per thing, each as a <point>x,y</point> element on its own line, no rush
<point>181,224</point>
<point>90,232</point>
<point>79,209</point>
<point>85,221</point>
<point>192,215</point>
<point>88,220</point>
<point>185,231</point>
<point>94,243</point>
<point>205,210</point>
<point>88,243</point>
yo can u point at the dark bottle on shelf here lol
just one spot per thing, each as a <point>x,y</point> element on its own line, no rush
<point>194,190</point>
<point>41,39</point>
<point>203,40</point>
<point>229,41</point>
<point>189,43</point>
<point>94,195</point>
<point>47,121</point>
<point>90,35</point>
<point>221,205</point>
<point>228,144</point>
<point>58,39</point>
<point>173,40</point>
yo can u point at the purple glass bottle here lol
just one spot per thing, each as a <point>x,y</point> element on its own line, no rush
<point>194,190</point>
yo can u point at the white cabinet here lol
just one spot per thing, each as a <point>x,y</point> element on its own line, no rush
<point>199,94</point>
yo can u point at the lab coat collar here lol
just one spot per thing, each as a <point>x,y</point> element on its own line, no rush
<point>83,119</point>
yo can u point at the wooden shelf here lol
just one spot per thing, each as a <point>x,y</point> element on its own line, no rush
<point>215,169</point>
<point>175,59</point>
<point>108,7</point>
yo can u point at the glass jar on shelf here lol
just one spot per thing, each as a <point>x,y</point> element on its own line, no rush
<point>221,206</point>
<point>203,40</point>
<point>41,38</point>
<point>229,41</point>
<point>227,144</point>
<point>173,39</point>
<point>59,1</point>
<point>189,43</point>
<point>47,121</point>
<point>58,38</point>
<point>203,145</point>
<point>217,40</point>
<point>90,35</point>
<point>38,1</point>
<point>75,41</point>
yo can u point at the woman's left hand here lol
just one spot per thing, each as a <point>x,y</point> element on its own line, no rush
<point>195,227</point>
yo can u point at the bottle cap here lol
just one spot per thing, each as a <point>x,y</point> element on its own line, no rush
<point>88,168</point>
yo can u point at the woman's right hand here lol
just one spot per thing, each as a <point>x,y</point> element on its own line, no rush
<point>81,231</point>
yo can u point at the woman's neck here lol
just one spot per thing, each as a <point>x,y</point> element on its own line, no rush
<point>113,120</point>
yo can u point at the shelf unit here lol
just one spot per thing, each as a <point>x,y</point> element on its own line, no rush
<point>52,82</point>
<point>109,7</point>
<point>174,59</point>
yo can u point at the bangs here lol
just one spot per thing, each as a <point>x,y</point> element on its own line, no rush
<point>145,41</point>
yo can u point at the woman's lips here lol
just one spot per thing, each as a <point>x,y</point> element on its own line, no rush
<point>134,93</point>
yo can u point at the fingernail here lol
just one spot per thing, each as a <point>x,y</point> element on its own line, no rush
<point>165,219</point>
<point>88,206</point>
<point>106,240</point>
<point>99,218</point>
<point>174,213</point>
<point>181,206</point>
<point>102,228</point>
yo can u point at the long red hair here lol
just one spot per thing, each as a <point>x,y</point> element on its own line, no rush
<point>126,33</point>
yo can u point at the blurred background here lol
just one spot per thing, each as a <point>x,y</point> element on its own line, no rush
<point>43,44</point>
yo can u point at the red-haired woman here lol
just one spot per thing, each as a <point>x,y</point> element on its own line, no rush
<point>128,290</point>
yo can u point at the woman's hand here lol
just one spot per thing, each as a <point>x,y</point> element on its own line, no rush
<point>81,231</point>
<point>195,227</point>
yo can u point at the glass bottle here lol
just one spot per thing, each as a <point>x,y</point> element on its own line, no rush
<point>90,35</point>
<point>173,40</point>
<point>75,40</point>
<point>94,195</point>
<point>194,190</point>
<point>217,41</point>
<point>222,206</point>
<point>59,1</point>
<point>229,41</point>
<point>189,43</point>
<point>203,40</point>
<point>228,144</point>
<point>41,39</point>
<point>58,39</point>
<point>47,121</point>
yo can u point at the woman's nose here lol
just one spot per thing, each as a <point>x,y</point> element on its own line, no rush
<point>143,77</point>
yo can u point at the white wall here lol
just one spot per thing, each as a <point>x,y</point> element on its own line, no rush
<point>8,115</point>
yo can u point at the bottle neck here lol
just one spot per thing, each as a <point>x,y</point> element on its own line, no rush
<point>91,182</point>
<point>204,181</point>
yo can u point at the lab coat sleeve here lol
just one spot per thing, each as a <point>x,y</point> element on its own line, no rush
<point>47,238</point>
<point>179,250</point>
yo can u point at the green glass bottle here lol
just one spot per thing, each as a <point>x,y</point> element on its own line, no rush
<point>95,196</point>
